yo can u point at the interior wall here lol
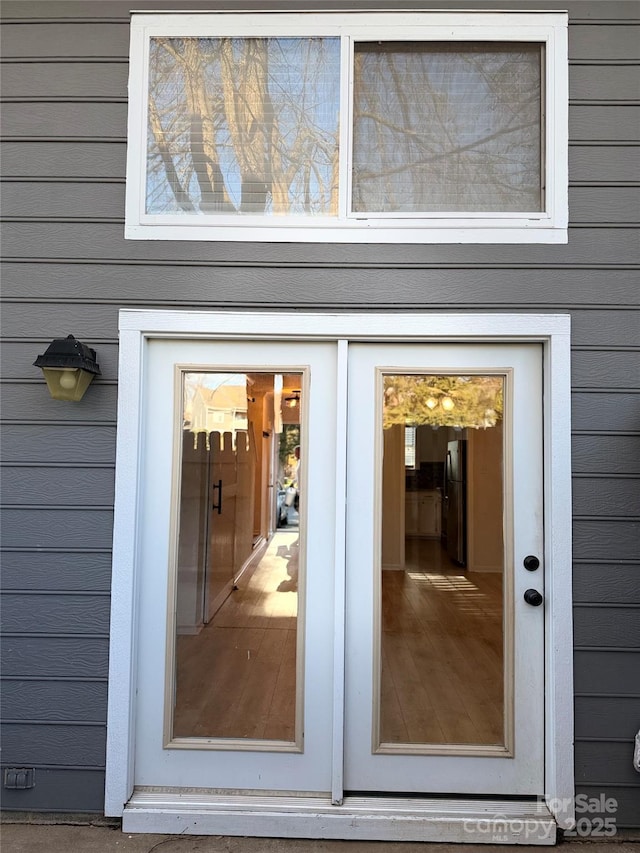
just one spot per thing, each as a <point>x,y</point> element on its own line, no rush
<point>485,540</point>
<point>393,491</point>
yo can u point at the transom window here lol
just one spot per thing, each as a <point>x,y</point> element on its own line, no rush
<point>377,127</point>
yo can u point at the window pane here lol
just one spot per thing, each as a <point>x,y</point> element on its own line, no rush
<point>443,667</point>
<point>447,126</point>
<point>236,633</point>
<point>243,125</point>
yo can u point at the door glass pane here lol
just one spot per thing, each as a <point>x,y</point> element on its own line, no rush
<point>237,557</point>
<point>447,126</point>
<point>442,639</point>
<point>243,125</point>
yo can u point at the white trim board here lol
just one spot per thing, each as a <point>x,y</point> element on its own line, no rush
<point>552,330</point>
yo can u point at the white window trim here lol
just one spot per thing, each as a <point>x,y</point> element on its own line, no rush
<point>548,226</point>
<point>138,327</point>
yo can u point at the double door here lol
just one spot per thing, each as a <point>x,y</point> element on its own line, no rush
<point>343,655</point>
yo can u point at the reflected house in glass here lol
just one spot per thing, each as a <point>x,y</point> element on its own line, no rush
<point>215,403</point>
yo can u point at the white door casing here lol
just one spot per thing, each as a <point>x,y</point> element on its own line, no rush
<point>138,328</point>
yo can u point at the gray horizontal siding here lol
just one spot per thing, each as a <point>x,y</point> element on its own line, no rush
<point>588,83</point>
<point>603,327</point>
<point>626,799</point>
<point>103,241</point>
<point>91,322</point>
<point>605,454</point>
<point>55,657</point>
<point>612,163</point>
<point>66,39</point>
<point>606,582</point>
<point>55,571</point>
<point>606,496</point>
<point>607,370</point>
<point>42,120</point>
<point>608,763</point>
<point>606,672</point>
<point>32,402</point>
<point>612,626</point>
<point>56,614</point>
<point>100,160</point>
<point>84,80</point>
<point>75,487</point>
<point>72,270</point>
<point>59,790</point>
<point>604,123</point>
<point>604,42</point>
<point>63,701</point>
<point>58,200</point>
<point>84,444</point>
<point>57,528</point>
<point>601,410</point>
<point>53,743</point>
<point>607,717</point>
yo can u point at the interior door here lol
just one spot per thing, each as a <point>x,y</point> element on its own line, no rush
<point>235,681</point>
<point>445,657</point>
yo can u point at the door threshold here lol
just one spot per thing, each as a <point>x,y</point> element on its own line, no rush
<point>358,818</point>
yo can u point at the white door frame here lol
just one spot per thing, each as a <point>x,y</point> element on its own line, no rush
<point>553,332</point>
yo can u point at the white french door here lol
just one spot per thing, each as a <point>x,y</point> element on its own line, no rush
<point>443,664</point>
<point>445,658</point>
<point>212,411</point>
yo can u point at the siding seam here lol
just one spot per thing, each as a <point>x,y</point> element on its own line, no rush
<point>69,593</point>
<point>87,467</point>
<point>57,636</point>
<point>607,695</point>
<point>626,649</point>
<point>90,723</point>
<point>603,562</point>
<point>15,549</point>
<point>86,767</point>
<point>55,678</point>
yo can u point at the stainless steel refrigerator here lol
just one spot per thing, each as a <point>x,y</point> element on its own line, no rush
<point>455,496</point>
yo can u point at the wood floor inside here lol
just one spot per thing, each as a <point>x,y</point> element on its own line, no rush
<point>442,654</point>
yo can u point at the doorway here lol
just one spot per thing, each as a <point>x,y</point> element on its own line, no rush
<point>358,655</point>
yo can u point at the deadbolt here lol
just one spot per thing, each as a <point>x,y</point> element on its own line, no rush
<point>533,597</point>
<point>531,563</point>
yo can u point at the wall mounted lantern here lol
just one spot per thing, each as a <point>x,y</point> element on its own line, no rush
<point>68,366</point>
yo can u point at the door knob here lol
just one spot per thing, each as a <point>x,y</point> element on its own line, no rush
<point>533,597</point>
<point>531,563</point>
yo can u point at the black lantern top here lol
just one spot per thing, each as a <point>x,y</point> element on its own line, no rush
<point>69,353</point>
